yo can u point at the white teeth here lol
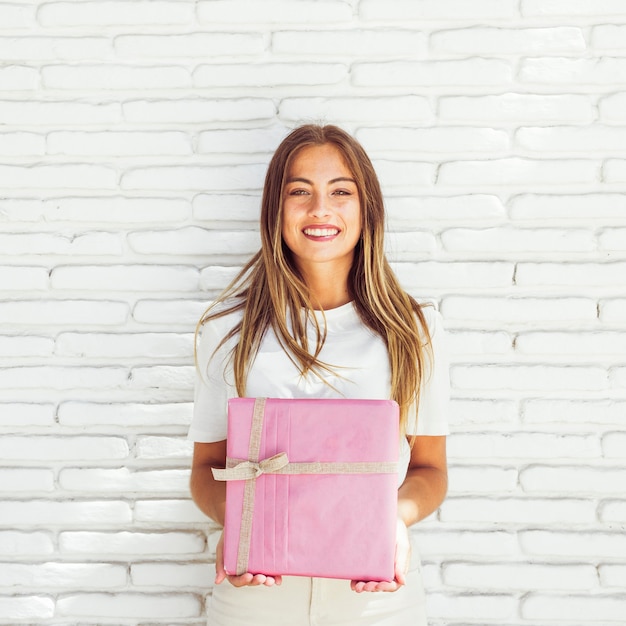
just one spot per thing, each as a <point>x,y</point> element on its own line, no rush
<point>320,232</point>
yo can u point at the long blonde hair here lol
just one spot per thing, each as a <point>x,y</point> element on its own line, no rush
<point>271,293</point>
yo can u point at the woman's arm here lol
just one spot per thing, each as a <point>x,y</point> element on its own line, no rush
<point>209,494</point>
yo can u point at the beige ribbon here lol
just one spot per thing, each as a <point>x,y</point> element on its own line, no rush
<point>250,469</point>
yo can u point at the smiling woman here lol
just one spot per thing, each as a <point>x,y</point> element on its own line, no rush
<point>318,313</point>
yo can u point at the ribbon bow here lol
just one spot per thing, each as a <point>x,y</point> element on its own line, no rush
<point>252,469</point>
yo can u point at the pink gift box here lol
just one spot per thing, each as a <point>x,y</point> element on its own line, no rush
<point>312,488</point>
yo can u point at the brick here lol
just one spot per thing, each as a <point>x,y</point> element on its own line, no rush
<point>154,447</point>
<point>602,139</point>
<point>26,414</point>
<point>217,277</point>
<point>47,447</point>
<point>269,74</point>
<point>125,480</point>
<point>409,245</point>
<point>58,176</point>
<point>584,607</point>
<point>545,378</point>
<point>523,445</point>
<point>572,480</point>
<point>182,312</point>
<point>578,544</point>
<point>59,112</point>
<point>613,511</point>
<point>18,78</point>
<point>272,12</point>
<point>463,542</point>
<point>617,376</point>
<point>362,42</point>
<point>404,175</point>
<point>24,480</point>
<point>517,240</point>
<point>612,239</point>
<point>518,108</point>
<point>22,144</point>
<point>163,377</point>
<point>144,345</point>
<point>195,241</point>
<point>469,207</point>
<point>516,310</point>
<point>433,140</point>
<point>14,16</point>
<point>113,77</point>
<point>559,71</point>
<point>22,544</point>
<point>49,513</point>
<point>613,445</point>
<point>574,411</point>
<point>129,605</point>
<point>178,575</point>
<point>520,576</point>
<point>136,278</point>
<point>613,311</point>
<point>115,13</point>
<point>256,140</point>
<point>612,108</point>
<point>608,37</point>
<point>567,207</point>
<point>481,480</point>
<point>60,377</point>
<point>612,576</point>
<point>130,414</point>
<point>484,606</point>
<point>20,346</point>
<point>502,41</point>
<point>479,343</point>
<point>64,312</point>
<point>518,171</point>
<point>589,344</point>
<point>411,108</point>
<point>216,207</point>
<point>168,511</point>
<point>614,170</point>
<point>474,71</point>
<point>570,274</point>
<point>26,48</point>
<point>542,8</point>
<point>23,279</point>
<point>446,275</point>
<point>59,575</point>
<point>87,244</point>
<point>197,110</point>
<point>196,178</point>
<point>470,411</point>
<point>119,143</point>
<point>26,607</point>
<point>433,9</point>
<point>517,511</point>
<point>194,45</point>
<point>117,209</point>
<point>125,543</point>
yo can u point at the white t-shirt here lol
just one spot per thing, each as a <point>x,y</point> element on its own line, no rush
<point>361,365</point>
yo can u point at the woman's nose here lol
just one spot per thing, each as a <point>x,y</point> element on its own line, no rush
<point>319,205</point>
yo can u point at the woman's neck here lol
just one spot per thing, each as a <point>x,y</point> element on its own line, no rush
<point>328,289</point>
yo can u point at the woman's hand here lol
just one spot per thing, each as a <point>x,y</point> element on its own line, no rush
<point>244,580</point>
<point>401,567</point>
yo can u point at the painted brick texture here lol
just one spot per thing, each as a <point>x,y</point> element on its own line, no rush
<point>134,138</point>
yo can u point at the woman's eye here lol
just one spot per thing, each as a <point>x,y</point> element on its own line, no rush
<point>297,192</point>
<point>341,192</point>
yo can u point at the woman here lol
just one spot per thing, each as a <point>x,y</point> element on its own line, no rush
<point>317,312</point>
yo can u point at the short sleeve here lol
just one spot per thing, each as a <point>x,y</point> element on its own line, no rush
<point>212,386</point>
<point>432,413</point>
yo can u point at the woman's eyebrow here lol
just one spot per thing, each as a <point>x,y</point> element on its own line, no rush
<point>299,179</point>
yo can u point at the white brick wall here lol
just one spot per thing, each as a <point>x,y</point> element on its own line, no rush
<point>134,137</point>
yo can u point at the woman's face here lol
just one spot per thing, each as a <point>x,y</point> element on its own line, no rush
<point>321,221</point>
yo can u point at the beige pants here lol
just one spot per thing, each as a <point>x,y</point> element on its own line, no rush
<point>301,601</point>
